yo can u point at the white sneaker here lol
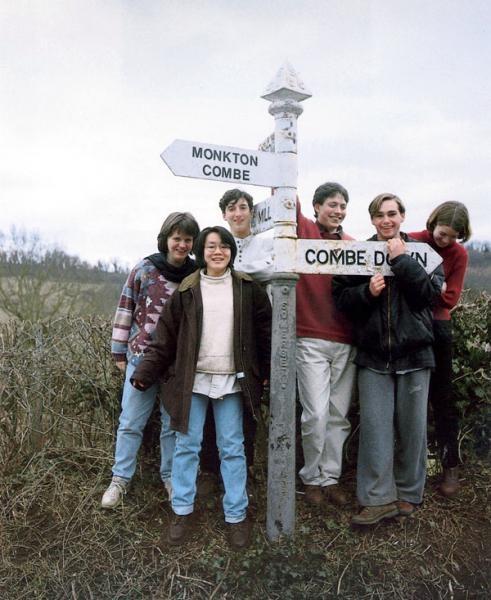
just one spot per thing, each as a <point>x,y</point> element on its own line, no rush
<point>168,488</point>
<point>114,493</point>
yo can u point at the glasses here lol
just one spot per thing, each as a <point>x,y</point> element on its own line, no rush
<point>213,247</point>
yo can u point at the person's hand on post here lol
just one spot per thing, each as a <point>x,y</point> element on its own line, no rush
<point>121,364</point>
<point>377,284</point>
<point>396,247</point>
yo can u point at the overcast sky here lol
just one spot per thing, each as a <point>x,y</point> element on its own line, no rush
<point>92,91</point>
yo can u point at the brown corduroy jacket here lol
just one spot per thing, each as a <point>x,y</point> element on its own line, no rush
<point>172,356</point>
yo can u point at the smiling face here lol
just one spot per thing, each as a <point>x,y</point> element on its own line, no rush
<point>444,236</point>
<point>387,220</point>
<point>238,216</point>
<point>179,245</point>
<point>331,212</point>
<point>216,255</point>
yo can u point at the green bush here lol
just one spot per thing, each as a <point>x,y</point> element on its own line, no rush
<point>471,367</point>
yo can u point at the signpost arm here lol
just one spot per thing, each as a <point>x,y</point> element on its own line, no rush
<point>285,93</point>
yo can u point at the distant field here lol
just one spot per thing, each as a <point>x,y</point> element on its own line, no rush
<point>98,299</point>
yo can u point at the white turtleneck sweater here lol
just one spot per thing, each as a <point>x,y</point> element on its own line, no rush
<point>215,371</point>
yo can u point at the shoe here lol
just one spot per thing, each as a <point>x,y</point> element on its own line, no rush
<point>369,515</point>
<point>114,493</point>
<point>207,484</point>
<point>450,484</point>
<point>335,494</point>
<point>180,529</point>
<point>239,534</point>
<point>168,488</point>
<point>405,508</point>
<point>313,495</point>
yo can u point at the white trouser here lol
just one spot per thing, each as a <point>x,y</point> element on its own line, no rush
<point>325,375</point>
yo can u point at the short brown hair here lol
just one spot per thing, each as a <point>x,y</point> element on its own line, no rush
<point>177,221</point>
<point>451,214</point>
<point>328,190</point>
<point>376,203</point>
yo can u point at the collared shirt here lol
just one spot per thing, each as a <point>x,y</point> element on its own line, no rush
<point>216,385</point>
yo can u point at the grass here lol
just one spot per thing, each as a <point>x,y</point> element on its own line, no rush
<point>56,542</point>
<point>59,398</point>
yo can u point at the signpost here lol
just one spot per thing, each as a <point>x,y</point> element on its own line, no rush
<point>263,216</point>
<point>352,258</point>
<point>275,165</point>
<point>226,163</point>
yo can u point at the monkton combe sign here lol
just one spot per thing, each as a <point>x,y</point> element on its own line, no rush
<point>226,163</point>
<point>346,257</point>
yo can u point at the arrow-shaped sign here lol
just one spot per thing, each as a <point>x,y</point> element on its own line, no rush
<point>263,216</point>
<point>234,165</point>
<point>348,257</point>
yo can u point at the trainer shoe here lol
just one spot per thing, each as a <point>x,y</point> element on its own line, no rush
<point>114,493</point>
<point>239,534</point>
<point>369,515</point>
<point>405,508</point>
<point>180,528</point>
<point>335,494</point>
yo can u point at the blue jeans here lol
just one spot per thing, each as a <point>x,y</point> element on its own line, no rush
<point>136,408</point>
<point>230,441</point>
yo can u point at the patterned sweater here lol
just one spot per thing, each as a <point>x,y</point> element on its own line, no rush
<point>144,294</point>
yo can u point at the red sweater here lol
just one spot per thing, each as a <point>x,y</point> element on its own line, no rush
<point>455,259</point>
<point>317,316</point>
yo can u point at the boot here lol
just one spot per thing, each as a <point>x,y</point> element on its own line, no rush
<point>450,484</point>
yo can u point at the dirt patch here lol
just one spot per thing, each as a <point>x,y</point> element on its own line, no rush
<point>56,542</point>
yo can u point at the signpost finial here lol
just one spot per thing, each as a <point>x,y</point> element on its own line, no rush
<point>286,84</point>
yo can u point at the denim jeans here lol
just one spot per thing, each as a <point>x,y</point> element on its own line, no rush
<point>230,441</point>
<point>136,408</point>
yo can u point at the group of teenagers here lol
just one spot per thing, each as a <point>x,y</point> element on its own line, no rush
<point>196,334</point>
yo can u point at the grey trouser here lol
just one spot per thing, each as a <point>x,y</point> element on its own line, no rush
<point>392,448</point>
<point>326,376</point>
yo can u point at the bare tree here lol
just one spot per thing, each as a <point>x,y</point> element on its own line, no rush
<point>34,284</point>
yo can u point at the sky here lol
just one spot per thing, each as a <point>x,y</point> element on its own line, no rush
<point>92,91</point>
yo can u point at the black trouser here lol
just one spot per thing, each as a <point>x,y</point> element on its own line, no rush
<point>209,460</point>
<point>441,397</point>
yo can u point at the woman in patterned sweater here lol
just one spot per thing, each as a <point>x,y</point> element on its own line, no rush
<point>148,287</point>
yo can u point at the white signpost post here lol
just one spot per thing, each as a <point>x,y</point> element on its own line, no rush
<point>278,169</point>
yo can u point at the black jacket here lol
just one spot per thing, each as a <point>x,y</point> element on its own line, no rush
<point>393,331</point>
